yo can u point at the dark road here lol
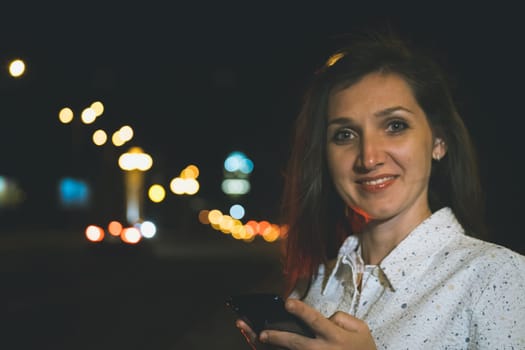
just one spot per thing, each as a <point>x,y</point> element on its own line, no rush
<point>64,293</point>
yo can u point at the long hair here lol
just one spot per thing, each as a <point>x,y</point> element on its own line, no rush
<point>313,210</point>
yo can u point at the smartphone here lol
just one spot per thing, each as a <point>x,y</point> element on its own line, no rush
<point>266,311</point>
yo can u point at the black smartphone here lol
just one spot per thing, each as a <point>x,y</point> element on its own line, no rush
<point>266,311</point>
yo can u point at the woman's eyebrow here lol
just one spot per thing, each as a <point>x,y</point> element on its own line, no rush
<point>339,120</point>
<point>391,110</point>
<point>382,113</point>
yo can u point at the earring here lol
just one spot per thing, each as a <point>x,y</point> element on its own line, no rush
<point>439,150</point>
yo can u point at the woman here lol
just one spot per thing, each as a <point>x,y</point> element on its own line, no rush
<point>383,202</point>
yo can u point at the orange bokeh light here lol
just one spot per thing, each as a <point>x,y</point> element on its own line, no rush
<point>115,228</point>
<point>131,235</point>
<point>264,226</point>
<point>94,233</point>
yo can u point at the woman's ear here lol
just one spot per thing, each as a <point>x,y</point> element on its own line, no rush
<point>439,150</point>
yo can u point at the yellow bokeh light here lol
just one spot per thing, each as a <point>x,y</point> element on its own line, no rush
<point>99,137</point>
<point>17,68</point>
<point>215,216</point>
<point>180,186</point>
<point>116,140</point>
<point>135,158</point>
<point>237,227</point>
<point>226,223</point>
<point>249,239</point>
<point>192,186</point>
<point>88,115</point>
<point>248,234</point>
<point>248,228</point>
<point>177,185</point>
<point>65,115</point>
<point>98,108</point>
<point>126,133</point>
<point>237,235</point>
<point>190,172</point>
<point>156,193</point>
<point>271,233</point>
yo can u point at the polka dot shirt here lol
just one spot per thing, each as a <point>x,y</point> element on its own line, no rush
<point>438,289</point>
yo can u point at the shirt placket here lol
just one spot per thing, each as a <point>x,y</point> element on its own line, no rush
<point>353,274</point>
<point>371,291</point>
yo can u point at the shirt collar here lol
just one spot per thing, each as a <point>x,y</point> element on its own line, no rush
<point>420,245</point>
<point>415,249</point>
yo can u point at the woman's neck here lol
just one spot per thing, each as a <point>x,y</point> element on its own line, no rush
<point>379,238</point>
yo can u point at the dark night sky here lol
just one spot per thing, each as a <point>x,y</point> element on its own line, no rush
<point>198,81</point>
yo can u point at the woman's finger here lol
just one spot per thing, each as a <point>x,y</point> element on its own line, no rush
<point>247,332</point>
<point>348,322</point>
<point>317,322</point>
<point>284,340</point>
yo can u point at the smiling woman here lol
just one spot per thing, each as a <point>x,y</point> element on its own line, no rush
<point>379,151</point>
<point>385,214</point>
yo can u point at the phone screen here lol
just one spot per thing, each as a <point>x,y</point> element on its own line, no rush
<point>266,311</point>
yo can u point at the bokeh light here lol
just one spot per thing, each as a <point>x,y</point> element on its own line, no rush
<point>73,193</point>
<point>235,186</point>
<point>88,115</point>
<point>148,229</point>
<point>270,232</point>
<point>156,193</point>
<point>99,137</point>
<point>115,228</point>
<point>237,211</point>
<point>190,172</point>
<point>131,235</point>
<point>11,195</point>
<point>98,108</point>
<point>215,216</point>
<point>116,139</point>
<point>238,162</point>
<point>125,133</point>
<point>203,216</point>
<point>135,158</point>
<point>17,68</point>
<point>65,115</point>
<point>187,182</point>
<point>94,233</point>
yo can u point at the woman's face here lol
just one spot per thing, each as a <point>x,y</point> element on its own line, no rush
<point>380,148</point>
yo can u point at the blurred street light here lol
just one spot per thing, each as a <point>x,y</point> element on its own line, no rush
<point>134,163</point>
<point>17,68</point>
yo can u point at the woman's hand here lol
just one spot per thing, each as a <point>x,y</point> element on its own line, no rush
<point>340,331</point>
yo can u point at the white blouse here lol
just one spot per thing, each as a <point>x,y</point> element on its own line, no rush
<point>438,289</point>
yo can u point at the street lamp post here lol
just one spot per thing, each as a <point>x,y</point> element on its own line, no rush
<point>134,163</point>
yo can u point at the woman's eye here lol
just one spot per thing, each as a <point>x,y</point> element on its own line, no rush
<point>397,126</point>
<point>343,135</point>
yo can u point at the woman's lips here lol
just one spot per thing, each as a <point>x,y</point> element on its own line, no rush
<point>377,183</point>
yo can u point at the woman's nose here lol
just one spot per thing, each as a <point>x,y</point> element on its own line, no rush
<point>371,154</point>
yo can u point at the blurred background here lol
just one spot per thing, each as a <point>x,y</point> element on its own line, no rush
<point>142,148</point>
